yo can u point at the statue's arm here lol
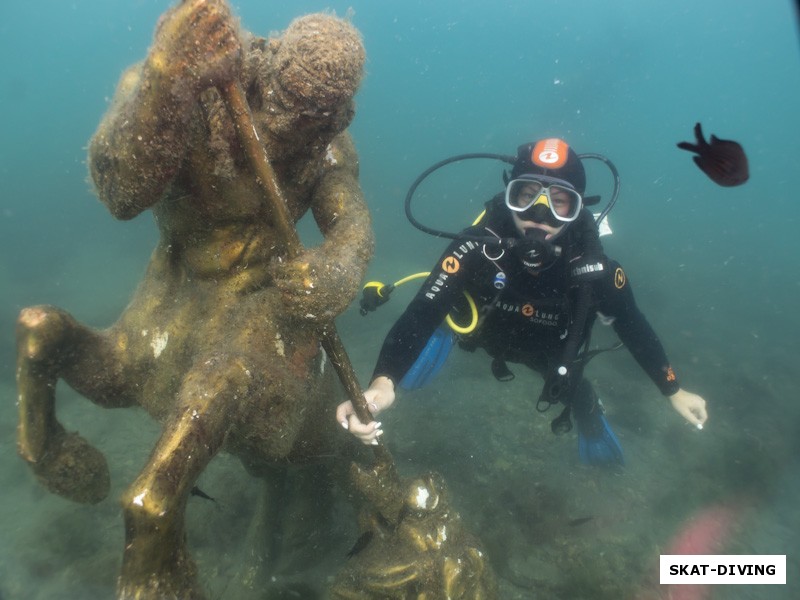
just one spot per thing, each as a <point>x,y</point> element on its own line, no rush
<point>342,216</point>
<point>141,141</point>
<point>139,144</point>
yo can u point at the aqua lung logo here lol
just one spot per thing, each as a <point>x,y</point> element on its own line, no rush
<point>530,313</point>
<point>548,319</point>
<point>548,157</point>
<point>551,153</point>
<point>437,285</point>
<point>450,266</point>
<point>464,248</point>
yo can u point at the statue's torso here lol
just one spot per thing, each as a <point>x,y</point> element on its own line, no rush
<point>207,294</point>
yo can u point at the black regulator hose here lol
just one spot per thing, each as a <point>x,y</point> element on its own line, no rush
<point>614,174</point>
<point>507,159</point>
<point>436,232</point>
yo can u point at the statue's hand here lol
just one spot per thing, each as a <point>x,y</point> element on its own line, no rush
<point>196,46</point>
<point>312,288</point>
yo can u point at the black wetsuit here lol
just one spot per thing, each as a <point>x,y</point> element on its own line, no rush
<point>529,320</point>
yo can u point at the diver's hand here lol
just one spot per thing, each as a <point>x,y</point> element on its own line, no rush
<point>380,396</point>
<point>690,406</point>
<point>196,45</point>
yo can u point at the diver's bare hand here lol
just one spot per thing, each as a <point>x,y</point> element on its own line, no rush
<point>690,406</point>
<point>379,397</point>
<point>196,45</point>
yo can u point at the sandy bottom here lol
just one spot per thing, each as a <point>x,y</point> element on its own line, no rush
<point>552,527</point>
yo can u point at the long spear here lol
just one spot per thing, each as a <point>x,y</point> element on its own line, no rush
<point>382,484</point>
<point>234,97</point>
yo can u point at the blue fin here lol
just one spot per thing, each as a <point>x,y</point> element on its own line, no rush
<point>597,443</point>
<point>430,360</point>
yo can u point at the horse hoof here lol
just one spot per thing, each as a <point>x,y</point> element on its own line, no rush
<point>74,469</point>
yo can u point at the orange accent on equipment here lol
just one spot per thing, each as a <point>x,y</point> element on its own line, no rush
<point>551,153</point>
<point>451,265</point>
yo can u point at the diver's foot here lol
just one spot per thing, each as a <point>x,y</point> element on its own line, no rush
<point>72,468</point>
<point>597,443</point>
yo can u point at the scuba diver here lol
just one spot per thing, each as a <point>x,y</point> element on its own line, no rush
<point>536,277</point>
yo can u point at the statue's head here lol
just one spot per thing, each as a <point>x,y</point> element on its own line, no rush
<point>313,70</point>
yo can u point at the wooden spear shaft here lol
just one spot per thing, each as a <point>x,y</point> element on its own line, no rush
<point>265,175</point>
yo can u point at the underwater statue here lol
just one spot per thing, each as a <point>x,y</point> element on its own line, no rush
<point>421,551</point>
<point>221,341</point>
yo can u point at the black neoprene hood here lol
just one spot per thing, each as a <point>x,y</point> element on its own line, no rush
<point>571,171</point>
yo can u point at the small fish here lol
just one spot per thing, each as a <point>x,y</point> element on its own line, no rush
<point>362,542</point>
<point>723,161</point>
<point>579,521</point>
<point>196,491</point>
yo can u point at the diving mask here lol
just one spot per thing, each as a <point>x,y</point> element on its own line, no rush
<point>543,199</point>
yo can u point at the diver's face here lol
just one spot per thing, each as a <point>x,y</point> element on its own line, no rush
<point>535,206</point>
<point>526,196</point>
<point>561,200</point>
<point>523,225</point>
